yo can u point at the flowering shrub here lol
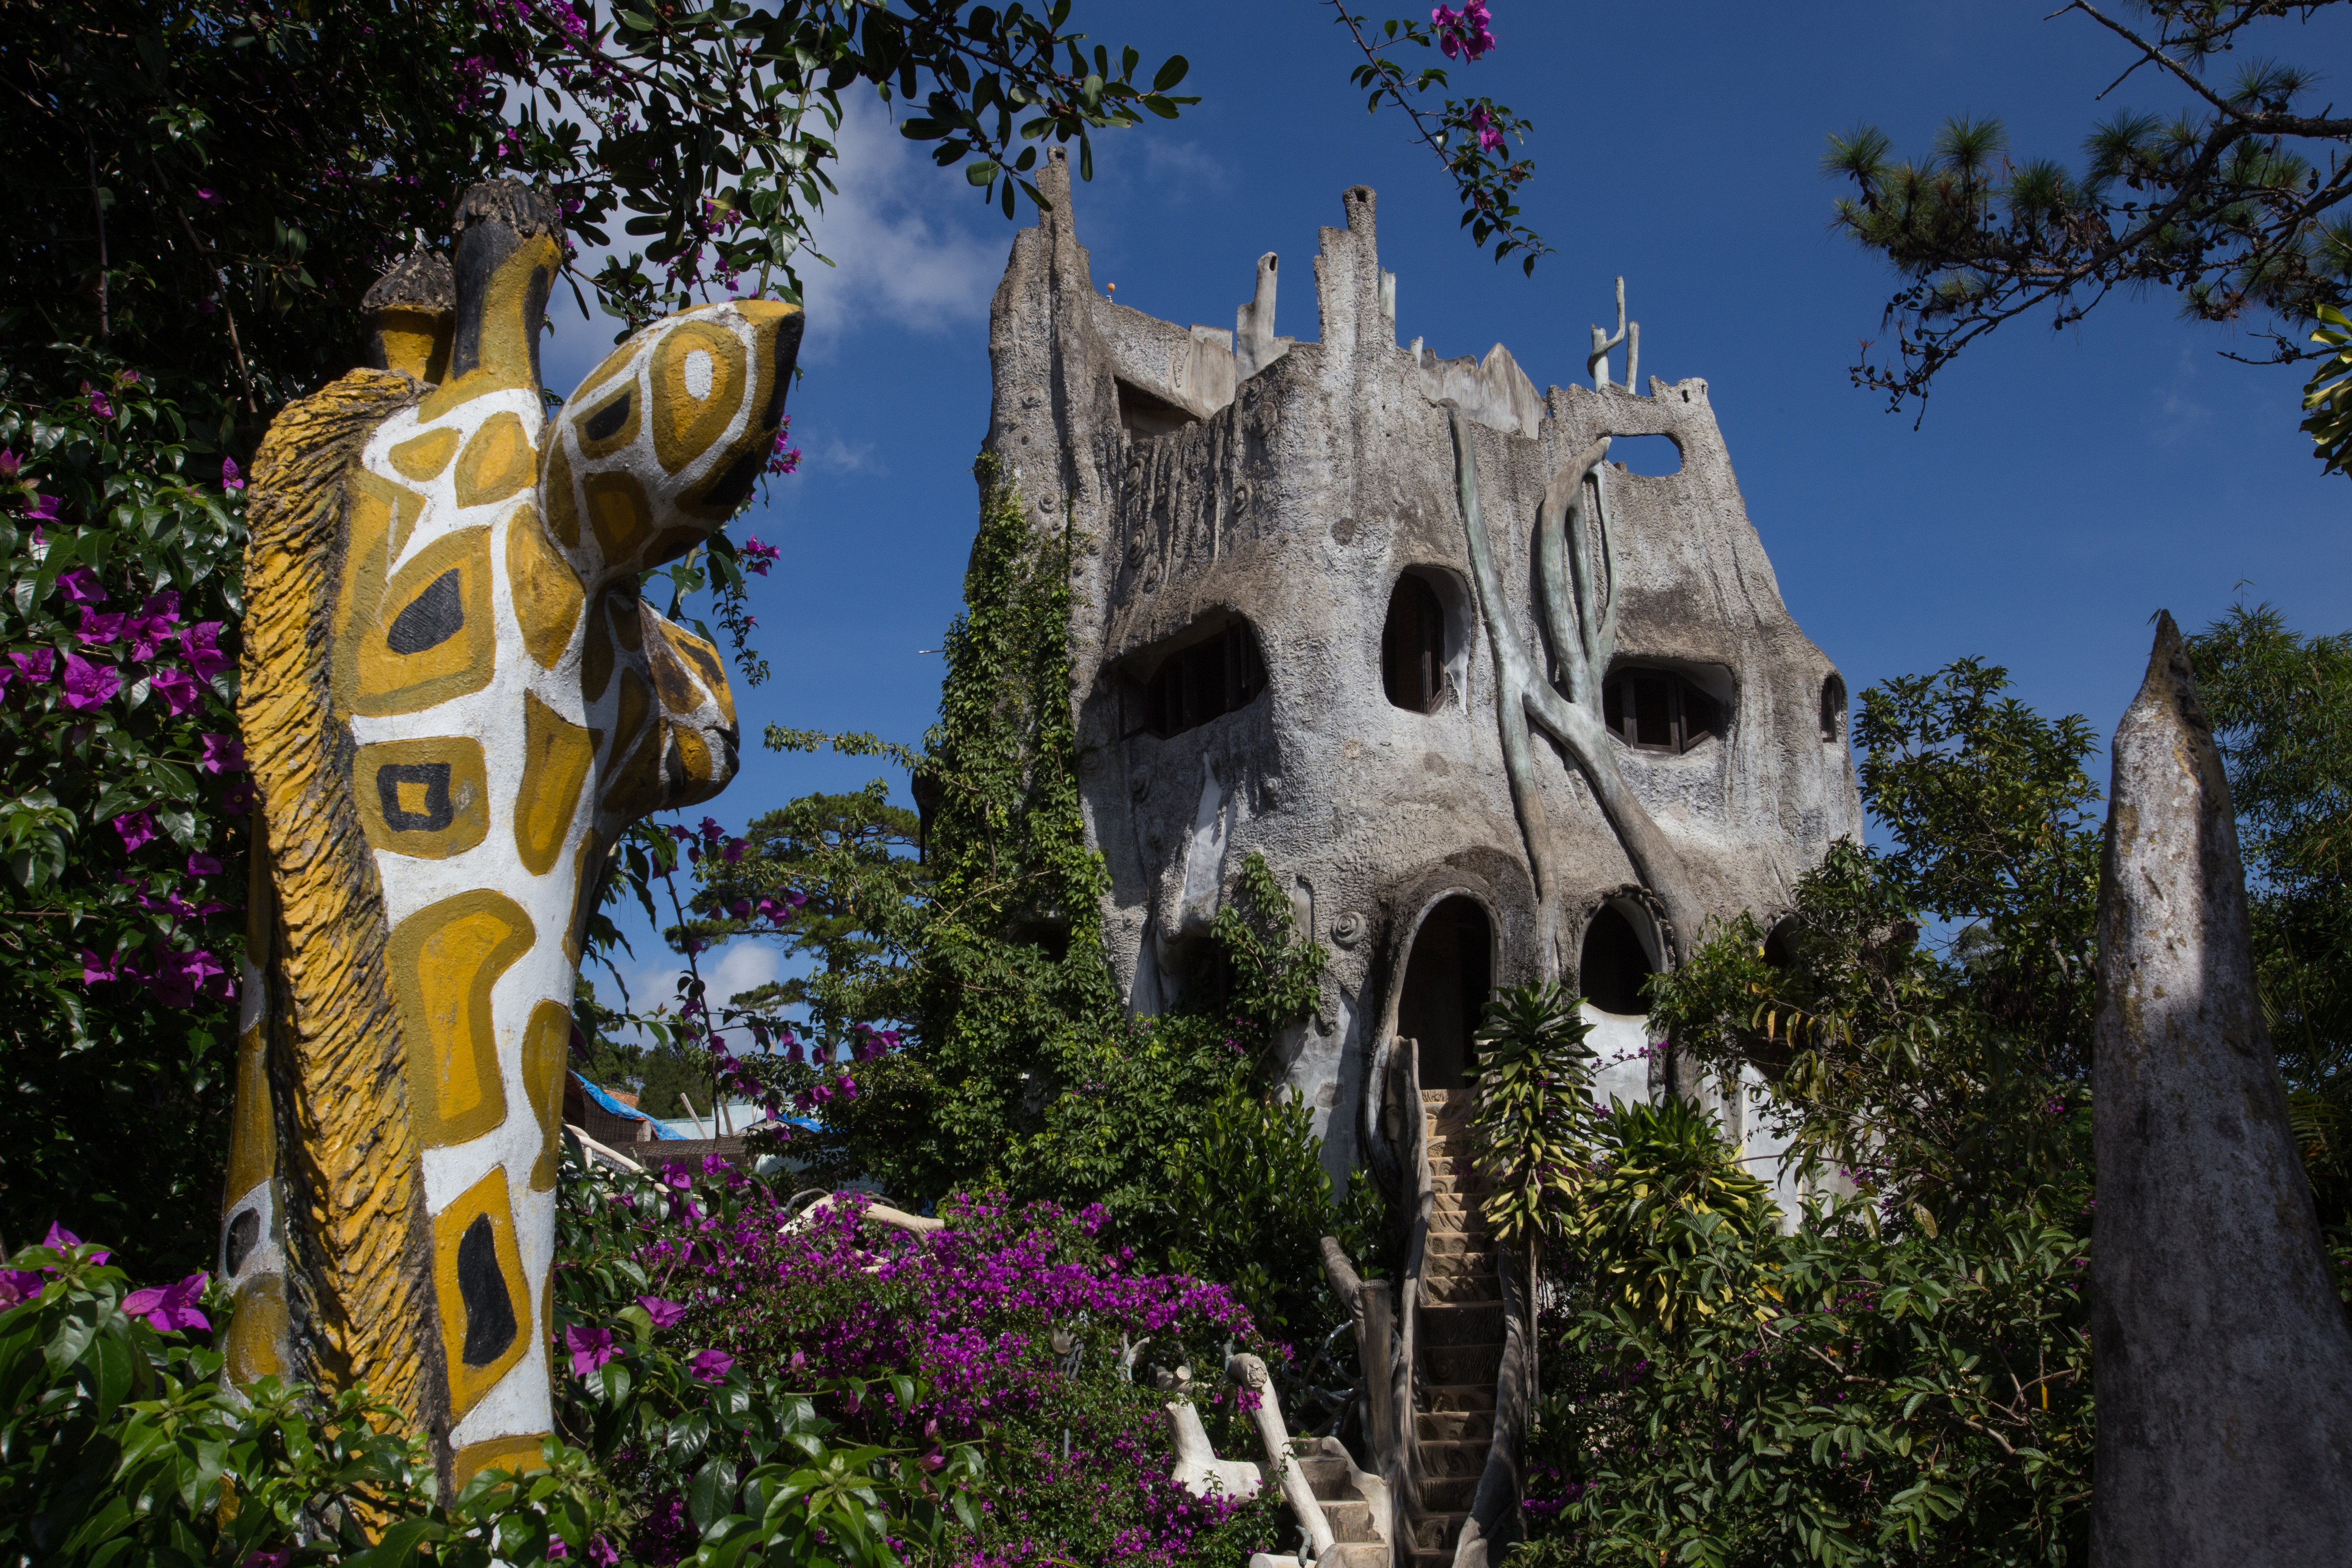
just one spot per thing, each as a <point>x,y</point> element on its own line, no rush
<point>1007,1332</point>
<point>121,795</point>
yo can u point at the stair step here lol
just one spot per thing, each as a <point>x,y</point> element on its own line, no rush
<point>1450,1494</point>
<point>1451,1241</point>
<point>1468,1186</point>
<point>1474,1324</point>
<point>1440,1397</point>
<point>1351,1519</point>
<point>1454,1289</point>
<point>1455,1425</point>
<point>1450,1365</point>
<point>1446,1461</point>
<point>1328,1477</point>
<point>1462,1260</point>
<point>1437,1532</point>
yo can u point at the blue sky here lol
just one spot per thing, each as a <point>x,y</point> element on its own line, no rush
<point>2061,490</point>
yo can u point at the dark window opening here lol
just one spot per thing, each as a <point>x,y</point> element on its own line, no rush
<point>1146,413</point>
<point>1193,685</point>
<point>1658,711</point>
<point>1614,964</point>
<point>1655,456</point>
<point>1447,979</point>
<point>1413,646</point>
<point>1834,709</point>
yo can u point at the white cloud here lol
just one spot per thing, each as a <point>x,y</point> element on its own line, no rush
<point>835,456</point>
<point>898,256</point>
<point>726,972</point>
<point>2179,416</point>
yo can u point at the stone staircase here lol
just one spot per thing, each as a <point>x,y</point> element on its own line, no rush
<point>1459,1340</point>
<point>1333,1479</point>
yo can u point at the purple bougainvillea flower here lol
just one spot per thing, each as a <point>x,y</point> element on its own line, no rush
<point>60,1240</point>
<point>82,586</point>
<point>88,685</point>
<point>223,754</point>
<point>18,1286</point>
<point>203,865</point>
<point>206,195</point>
<point>43,509</point>
<point>96,629</point>
<point>277,1559</point>
<point>200,646</point>
<point>230,478</point>
<point>712,1366</point>
<point>169,1306</point>
<point>602,1554</point>
<point>11,464</point>
<point>239,798</point>
<point>180,693</point>
<point>95,969</point>
<point>99,406</point>
<point>758,558</point>
<point>590,1348</point>
<point>36,666</point>
<point>676,1175</point>
<point>664,1314</point>
<point>137,828</point>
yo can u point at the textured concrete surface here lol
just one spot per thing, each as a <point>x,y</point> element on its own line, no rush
<point>1290,483</point>
<point>2224,1362</point>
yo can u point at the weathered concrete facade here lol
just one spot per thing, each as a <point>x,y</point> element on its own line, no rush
<point>1253,502</point>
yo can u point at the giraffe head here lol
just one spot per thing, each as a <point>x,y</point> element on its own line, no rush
<point>455,700</point>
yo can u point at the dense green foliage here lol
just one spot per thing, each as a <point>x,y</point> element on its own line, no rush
<point>120,806</point>
<point>971,992</point>
<point>2281,707</point>
<point>1533,1116</point>
<point>1904,1379</point>
<point>2236,202</point>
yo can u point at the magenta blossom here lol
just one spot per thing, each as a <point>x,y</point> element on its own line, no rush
<point>18,1286</point>
<point>230,480</point>
<point>200,646</point>
<point>1464,33</point>
<point>758,558</point>
<point>99,406</point>
<point>169,1306</point>
<point>95,969</point>
<point>223,754</point>
<point>137,828</point>
<point>36,666</point>
<point>712,1366</point>
<point>664,1314</point>
<point>43,509</point>
<point>203,865</point>
<point>82,586</point>
<point>88,685</point>
<point>206,195</point>
<point>96,629</point>
<point>181,692</point>
<point>11,464</point>
<point>590,1348</point>
<point>60,1240</point>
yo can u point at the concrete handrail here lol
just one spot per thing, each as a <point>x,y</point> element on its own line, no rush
<point>1246,1371</point>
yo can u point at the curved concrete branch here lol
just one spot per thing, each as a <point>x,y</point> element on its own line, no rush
<point>1523,694</point>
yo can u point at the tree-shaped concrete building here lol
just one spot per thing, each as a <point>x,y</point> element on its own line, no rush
<point>1493,709</point>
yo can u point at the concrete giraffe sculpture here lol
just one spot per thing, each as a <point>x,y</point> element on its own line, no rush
<point>453,703</point>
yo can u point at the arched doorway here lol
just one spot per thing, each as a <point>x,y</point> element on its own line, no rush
<point>1447,979</point>
<point>1611,967</point>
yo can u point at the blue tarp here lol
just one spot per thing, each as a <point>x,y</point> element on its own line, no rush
<point>627,1112</point>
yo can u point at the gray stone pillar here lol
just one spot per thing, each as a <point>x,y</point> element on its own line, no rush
<point>2223,1361</point>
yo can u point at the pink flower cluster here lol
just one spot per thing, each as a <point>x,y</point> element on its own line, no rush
<point>166,1306</point>
<point>1464,33</point>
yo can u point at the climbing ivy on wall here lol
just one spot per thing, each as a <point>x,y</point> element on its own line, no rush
<point>986,1037</point>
